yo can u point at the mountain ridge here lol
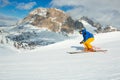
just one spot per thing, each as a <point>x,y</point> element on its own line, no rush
<point>54,19</point>
<point>46,26</point>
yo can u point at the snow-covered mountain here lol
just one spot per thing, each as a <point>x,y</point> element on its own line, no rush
<point>98,27</point>
<point>29,37</point>
<point>41,27</point>
<point>44,26</point>
<point>52,62</point>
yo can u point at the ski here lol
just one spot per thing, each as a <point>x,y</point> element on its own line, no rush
<point>87,51</point>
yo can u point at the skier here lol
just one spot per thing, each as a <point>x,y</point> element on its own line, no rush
<point>87,39</point>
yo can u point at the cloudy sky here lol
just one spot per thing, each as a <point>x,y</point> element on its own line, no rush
<point>104,11</point>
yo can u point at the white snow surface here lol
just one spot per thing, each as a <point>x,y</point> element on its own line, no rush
<point>52,62</point>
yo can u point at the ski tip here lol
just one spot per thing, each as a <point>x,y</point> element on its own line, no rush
<point>101,50</point>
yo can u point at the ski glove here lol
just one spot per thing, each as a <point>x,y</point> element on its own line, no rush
<point>81,42</point>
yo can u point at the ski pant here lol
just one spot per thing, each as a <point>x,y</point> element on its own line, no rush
<point>87,44</point>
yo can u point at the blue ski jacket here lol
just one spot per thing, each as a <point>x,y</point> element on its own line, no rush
<point>86,35</point>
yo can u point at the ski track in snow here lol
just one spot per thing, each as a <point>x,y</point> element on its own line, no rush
<point>53,63</point>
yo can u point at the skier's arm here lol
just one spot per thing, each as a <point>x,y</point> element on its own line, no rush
<point>84,38</point>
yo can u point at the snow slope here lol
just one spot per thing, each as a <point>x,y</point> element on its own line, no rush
<point>53,63</point>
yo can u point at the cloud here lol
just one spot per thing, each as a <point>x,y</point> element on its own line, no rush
<point>7,20</point>
<point>4,3</point>
<point>105,11</point>
<point>26,6</point>
<point>61,3</point>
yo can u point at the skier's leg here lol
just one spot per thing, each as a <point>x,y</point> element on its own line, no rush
<point>85,46</point>
<point>89,46</point>
<point>89,42</point>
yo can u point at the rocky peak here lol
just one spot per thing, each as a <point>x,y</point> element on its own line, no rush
<point>53,19</point>
<point>109,28</point>
<point>91,22</point>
